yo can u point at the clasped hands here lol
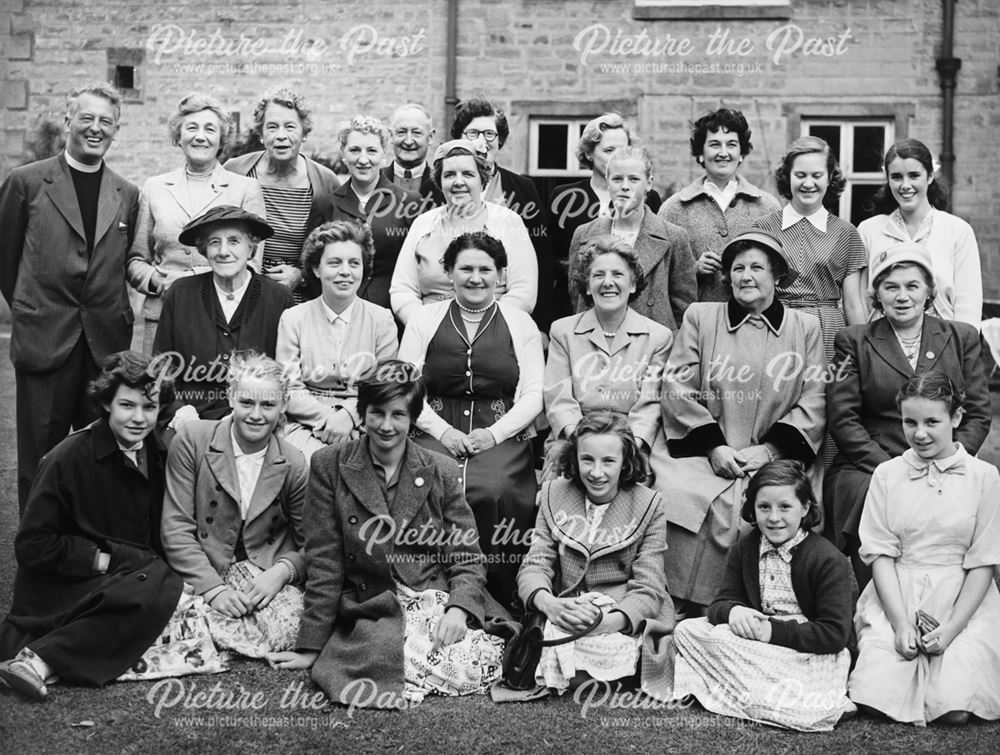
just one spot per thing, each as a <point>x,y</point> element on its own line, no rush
<point>727,462</point>
<point>237,603</point>
<point>749,624</point>
<point>576,613</point>
<point>337,427</point>
<point>910,642</point>
<point>460,444</point>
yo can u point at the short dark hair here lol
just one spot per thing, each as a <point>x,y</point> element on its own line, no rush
<point>935,386</point>
<point>338,230</point>
<point>468,110</point>
<point>131,369</point>
<point>598,422</point>
<point>937,193</point>
<point>388,380</point>
<point>810,145</point>
<point>732,121</point>
<point>883,274</point>
<point>480,241</point>
<point>580,264</point>
<point>782,472</point>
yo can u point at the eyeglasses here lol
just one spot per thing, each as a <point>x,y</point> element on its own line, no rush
<point>474,133</point>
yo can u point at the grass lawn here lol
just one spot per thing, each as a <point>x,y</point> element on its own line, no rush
<point>153,717</point>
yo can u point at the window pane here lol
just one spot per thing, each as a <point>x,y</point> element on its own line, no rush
<point>868,144</point>
<point>830,134</point>
<point>552,144</point>
<point>862,201</point>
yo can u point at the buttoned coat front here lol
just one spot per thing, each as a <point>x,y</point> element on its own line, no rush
<point>358,547</point>
<point>56,289</point>
<point>201,509</point>
<point>667,264</point>
<point>868,369</point>
<point>624,561</point>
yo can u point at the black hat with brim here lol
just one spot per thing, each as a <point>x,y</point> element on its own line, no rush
<point>225,214</point>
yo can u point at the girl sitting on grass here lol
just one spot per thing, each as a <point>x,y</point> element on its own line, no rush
<point>773,647</point>
<point>597,551</point>
<point>928,644</point>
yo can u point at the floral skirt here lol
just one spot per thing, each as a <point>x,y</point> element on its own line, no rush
<point>200,640</point>
<point>757,681</point>
<point>465,667</point>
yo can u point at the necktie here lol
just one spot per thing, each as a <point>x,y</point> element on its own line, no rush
<point>407,173</point>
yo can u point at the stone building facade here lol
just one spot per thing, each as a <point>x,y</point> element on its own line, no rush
<point>863,72</point>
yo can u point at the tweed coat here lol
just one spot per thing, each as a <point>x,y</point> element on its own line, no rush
<point>428,190</point>
<point>87,497</point>
<point>358,547</point>
<point>709,228</point>
<point>667,264</point>
<point>583,373</point>
<point>192,325</point>
<point>56,290</point>
<point>201,509</point>
<point>389,213</point>
<point>625,560</point>
<point>164,210</point>
<point>867,371</point>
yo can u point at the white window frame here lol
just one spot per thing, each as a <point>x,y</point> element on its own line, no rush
<point>854,178</point>
<point>573,126</point>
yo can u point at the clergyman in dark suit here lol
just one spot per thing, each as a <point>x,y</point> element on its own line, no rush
<point>66,225</point>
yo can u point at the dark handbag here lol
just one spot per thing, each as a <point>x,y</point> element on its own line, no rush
<point>522,653</point>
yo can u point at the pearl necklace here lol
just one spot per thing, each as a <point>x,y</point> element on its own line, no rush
<point>192,174</point>
<point>472,311</point>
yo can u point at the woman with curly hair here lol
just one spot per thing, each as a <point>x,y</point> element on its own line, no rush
<point>290,181</point>
<point>826,250</point>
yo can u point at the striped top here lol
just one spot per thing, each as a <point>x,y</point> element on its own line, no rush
<point>287,213</point>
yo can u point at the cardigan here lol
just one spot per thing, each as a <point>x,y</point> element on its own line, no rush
<point>954,255</point>
<point>709,229</point>
<point>202,521</point>
<point>530,361</point>
<point>821,579</point>
<point>306,350</point>
<point>419,276</point>
<point>321,178</point>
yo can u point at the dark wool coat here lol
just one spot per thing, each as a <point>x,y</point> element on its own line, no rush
<point>868,369</point>
<point>352,616</point>
<point>88,497</point>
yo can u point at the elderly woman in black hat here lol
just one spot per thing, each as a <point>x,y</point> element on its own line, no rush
<point>744,385</point>
<point>420,277</point>
<point>208,316</point>
<point>871,363</point>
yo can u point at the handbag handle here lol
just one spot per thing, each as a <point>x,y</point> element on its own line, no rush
<point>573,637</point>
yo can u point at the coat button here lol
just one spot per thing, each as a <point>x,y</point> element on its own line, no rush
<point>352,520</point>
<point>203,534</point>
<point>362,587</point>
<point>225,333</point>
<point>213,504</point>
<point>270,541</point>
<point>141,577</point>
<point>274,518</point>
<point>209,520</point>
<point>724,232</point>
<point>218,486</point>
<point>81,252</point>
<point>351,557</point>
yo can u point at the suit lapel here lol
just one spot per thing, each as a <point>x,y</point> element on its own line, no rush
<point>884,343</point>
<point>62,194</point>
<point>650,246</point>
<point>359,474</point>
<point>569,518</point>
<point>587,324</point>
<point>411,489</point>
<point>177,193</point>
<point>107,205</point>
<point>271,480</point>
<point>620,525</point>
<point>933,343</point>
<point>345,200</point>
<point>222,461</point>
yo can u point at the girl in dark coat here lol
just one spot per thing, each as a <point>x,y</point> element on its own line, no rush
<point>92,590</point>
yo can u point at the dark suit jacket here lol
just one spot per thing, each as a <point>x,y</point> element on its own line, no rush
<point>570,206</point>
<point>191,324</point>
<point>56,290</point>
<point>358,547</point>
<point>667,263</point>
<point>428,189</point>
<point>522,197</point>
<point>201,508</point>
<point>868,370</point>
<point>88,498</point>
<point>389,213</point>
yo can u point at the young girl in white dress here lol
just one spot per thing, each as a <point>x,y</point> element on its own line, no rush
<point>929,648</point>
<point>773,646</point>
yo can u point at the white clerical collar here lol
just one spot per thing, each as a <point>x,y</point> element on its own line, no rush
<point>789,217</point>
<point>236,295</point>
<point>332,316</point>
<point>82,167</point>
<point>399,170</point>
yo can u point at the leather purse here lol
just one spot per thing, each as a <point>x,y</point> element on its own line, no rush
<point>522,653</point>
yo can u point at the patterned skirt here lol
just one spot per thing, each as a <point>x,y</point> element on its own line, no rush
<point>466,667</point>
<point>758,681</point>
